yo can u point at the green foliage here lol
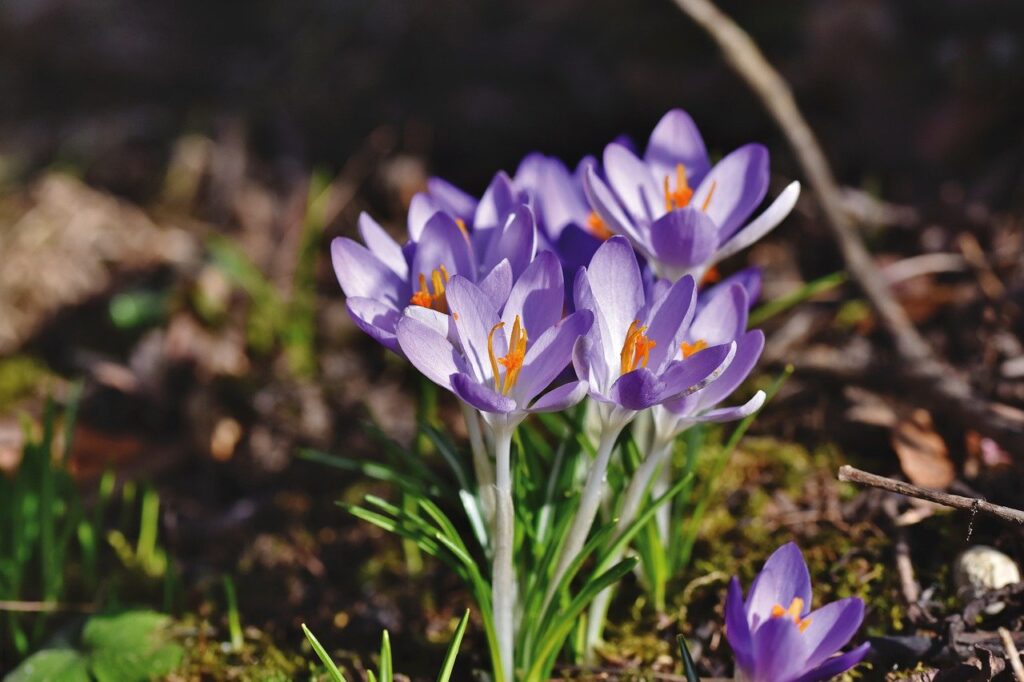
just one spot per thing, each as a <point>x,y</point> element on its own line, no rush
<point>123,647</point>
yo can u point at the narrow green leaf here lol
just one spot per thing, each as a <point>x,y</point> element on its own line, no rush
<point>453,649</point>
<point>784,303</point>
<point>321,653</point>
<point>688,665</point>
<point>386,674</point>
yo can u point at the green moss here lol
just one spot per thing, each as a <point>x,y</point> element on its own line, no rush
<point>22,377</point>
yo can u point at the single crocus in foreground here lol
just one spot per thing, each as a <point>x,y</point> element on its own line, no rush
<point>774,635</point>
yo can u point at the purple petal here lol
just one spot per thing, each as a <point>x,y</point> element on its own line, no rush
<point>724,317</point>
<point>748,350</point>
<point>695,372</point>
<point>498,283</point>
<point>443,243</point>
<point>475,316</point>
<point>481,397</point>
<point>669,322</point>
<point>560,200</point>
<point>836,666</point>
<point>737,631</point>
<point>576,246</point>
<point>431,353</point>
<point>383,246</point>
<point>561,398</point>
<point>516,240</point>
<point>748,278</point>
<point>497,203</point>
<point>451,198</point>
<point>633,183</point>
<point>637,390</point>
<point>604,203</point>
<point>362,274</point>
<point>729,414</point>
<point>589,358</point>
<point>831,627</point>
<point>441,323</point>
<point>618,293</point>
<point>779,651</point>
<point>763,224</point>
<point>421,209</point>
<point>740,181</point>
<point>783,578</point>
<point>376,319</point>
<point>550,354</point>
<point>538,295</point>
<point>684,238</point>
<point>676,140</point>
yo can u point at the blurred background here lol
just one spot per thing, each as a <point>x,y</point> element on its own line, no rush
<point>171,173</point>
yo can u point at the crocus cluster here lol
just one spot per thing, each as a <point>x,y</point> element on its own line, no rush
<point>774,634</point>
<point>557,285</point>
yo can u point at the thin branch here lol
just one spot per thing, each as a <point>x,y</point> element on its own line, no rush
<point>1012,654</point>
<point>971,504</point>
<point>44,607</point>
<point>947,391</point>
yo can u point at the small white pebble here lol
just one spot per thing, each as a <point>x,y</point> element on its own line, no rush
<point>981,569</point>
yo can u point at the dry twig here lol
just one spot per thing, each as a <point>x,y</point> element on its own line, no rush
<point>1012,654</point>
<point>945,390</point>
<point>971,504</point>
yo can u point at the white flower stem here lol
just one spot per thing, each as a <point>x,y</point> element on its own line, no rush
<point>634,494</point>
<point>590,501</point>
<point>503,582</point>
<point>482,467</point>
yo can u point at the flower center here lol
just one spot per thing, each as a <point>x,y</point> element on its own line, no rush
<point>796,607</point>
<point>436,299</point>
<point>682,194</point>
<point>637,349</point>
<point>691,348</point>
<point>513,361</point>
<point>598,227</point>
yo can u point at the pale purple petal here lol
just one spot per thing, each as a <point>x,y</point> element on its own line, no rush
<point>438,321</point>
<point>737,631</point>
<point>362,274</point>
<point>633,183</point>
<point>431,353</point>
<point>589,357</point>
<point>549,355</point>
<point>669,321</point>
<point>684,238</point>
<point>538,295</point>
<point>480,397</point>
<point>516,240</point>
<point>724,317</point>
<point>376,319</point>
<point>607,207</point>
<point>497,284</point>
<point>497,203</point>
<point>748,278</point>
<point>831,627</point>
<point>451,198</point>
<point>475,316</point>
<point>783,578</point>
<point>637,390</point>
<point>676,140</point>
<point>618,292</point>
<point>695,372</point>
<point>836,666</point>
<point>576,246</point>
<point>748,350</point>
<point>443,243</point>
<point>740,182</point>
<point>421,209</point>
<point>380,243</point>
<point>560,200</point>
<point>762,224</point>
<point>730,414</point>
<point>561,398</point>
<point>779,651</point>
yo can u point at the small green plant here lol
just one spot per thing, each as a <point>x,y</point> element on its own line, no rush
<point>385,671</point>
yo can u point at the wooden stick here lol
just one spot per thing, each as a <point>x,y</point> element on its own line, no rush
<point>971,504</point>
<point>44,607</point>
<point>1012,654</point>
<point>944,389</point>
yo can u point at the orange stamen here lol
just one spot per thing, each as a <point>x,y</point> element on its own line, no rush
<point>636,350</point>
<point>691,348</point>
<point>796,607</point>
<point>436,299</point>
<point>512,361</point>
<point>598,227</point>
<point>707,199</point>
<point>681,195</point>
<point>462,227</point>
<point>711,276</point>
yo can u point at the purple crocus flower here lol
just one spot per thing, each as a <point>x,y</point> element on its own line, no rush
<point>498,359</point>
<point>681,213</point>
<point>774,634</point>
<point>382,278</point>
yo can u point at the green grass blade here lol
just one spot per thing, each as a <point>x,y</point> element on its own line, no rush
<point>234,621</point>
<point>386,674</point>
<point>783,303</point>
<point>453,649</point>
<point>321,653</point>
<point>688,665</point>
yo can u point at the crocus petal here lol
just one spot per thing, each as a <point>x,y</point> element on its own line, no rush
<point>779,651</point>
<point>497,203</point>
<point>836,666</point>
<point>376,319</point>
<point>603,200</point>
<point>429,352</point>
<point>637,390</point>
<point>421,209</point>
<point>549,354</point>
<point>731,414</point>
<point>831,627</point>
<point>737,631</point>
<point>538,295</point>
<point>480,397</point>
<point>748,278</point>
<point>748,351</point>
<point>380,243</point>
<point>617,287</point>
<point>740,181</point>
<point>589,358</point>
<point>669,321</point>
<point>443,243</point>
<point>576,246</point>
<point>676,140</point>
<point>475,316</point>
<point>516,241</point>
<point>762,224</point>
<point>723,319</point>
<point>684,238</point>
<point>451,198</point>
<point>560,200</point>
<point>561,398</point>
<point>438,321</point>
<point>633,183</point>
<point>695,372</point>
<point>783,578</point>
<point>497,284</point>
<point>362,274</point>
